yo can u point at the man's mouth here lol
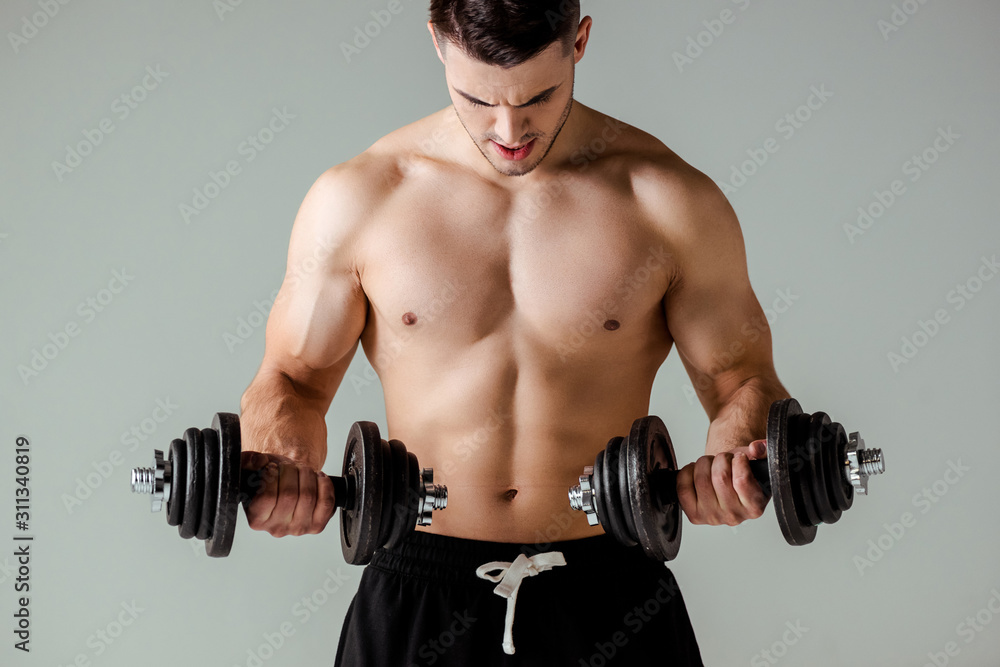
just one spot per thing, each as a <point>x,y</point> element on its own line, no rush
<point>515,152</point>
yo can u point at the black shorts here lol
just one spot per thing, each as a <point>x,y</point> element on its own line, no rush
<point>422,603</point>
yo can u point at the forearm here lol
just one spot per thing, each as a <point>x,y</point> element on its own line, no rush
<point>277,417</point>
<point>742,417</point>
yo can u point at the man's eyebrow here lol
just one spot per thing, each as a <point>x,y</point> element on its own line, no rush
<point>537,98</point>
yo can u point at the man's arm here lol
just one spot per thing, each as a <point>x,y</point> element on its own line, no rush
<point>312,334</point>
<point>723,339</point>
<point>717,324</point>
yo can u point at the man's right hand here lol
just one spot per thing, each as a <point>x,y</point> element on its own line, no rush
<point>291,499</point>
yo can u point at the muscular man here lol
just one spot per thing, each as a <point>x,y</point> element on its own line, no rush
<point>516,266</point>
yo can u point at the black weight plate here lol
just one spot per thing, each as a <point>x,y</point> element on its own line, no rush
<point>363,461</point>
<point>408,516</point>
<point>802,475</point>
<point>397,528</point>
<point>802,438</point>
<point>841,491</point>
<point>210,466</point>
<point>781,483</point>
<point>625,491</point>
<point>178,467</point>
<point>388,488</point>
<point>609,482</point>
<point>829,511</point>
<point>614,499</point>
<point>658,526</point>
<point>623,508</point>
<point>227,427</point>
<point>402,497</point>
<point>826,476</point>
<point>194,488</point>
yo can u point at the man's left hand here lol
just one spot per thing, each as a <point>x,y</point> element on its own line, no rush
<point>720,489</point>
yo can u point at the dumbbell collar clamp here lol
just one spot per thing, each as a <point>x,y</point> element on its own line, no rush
<point>156,481</point>
<point>433,497</point>
<point>861,463</point>
<point>581,496</point>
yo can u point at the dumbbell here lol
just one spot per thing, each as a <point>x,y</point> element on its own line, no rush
<point>812,470</point>
<point>382,494</point>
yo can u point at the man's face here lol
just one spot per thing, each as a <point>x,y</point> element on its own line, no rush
<point>523,107</point>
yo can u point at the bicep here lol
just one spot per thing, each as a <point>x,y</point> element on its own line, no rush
<point>717,324</point>
<point>320,310</point>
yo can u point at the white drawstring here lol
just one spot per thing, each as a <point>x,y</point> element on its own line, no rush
<point>510,578</point>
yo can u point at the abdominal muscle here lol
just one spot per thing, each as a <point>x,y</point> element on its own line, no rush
<point>509,439</point>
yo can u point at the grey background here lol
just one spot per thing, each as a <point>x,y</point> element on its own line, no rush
<point>162,338</point>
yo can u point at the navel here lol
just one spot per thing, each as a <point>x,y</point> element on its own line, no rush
<point>410,318</point>
<point>509,494</point>
<point>611,325</point>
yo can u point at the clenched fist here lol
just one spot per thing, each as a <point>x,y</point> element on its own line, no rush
<point>291,498</point>
<point>720,489</point>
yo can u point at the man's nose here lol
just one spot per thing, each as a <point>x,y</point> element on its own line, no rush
<point>510,127</point>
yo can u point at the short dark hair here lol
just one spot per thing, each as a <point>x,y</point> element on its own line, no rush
<point>505,32</point>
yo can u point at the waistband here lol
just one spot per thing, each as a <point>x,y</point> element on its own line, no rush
<point>445,558</point>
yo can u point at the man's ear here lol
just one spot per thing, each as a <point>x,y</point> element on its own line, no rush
<point>582,37</point>
<point>437,47</point>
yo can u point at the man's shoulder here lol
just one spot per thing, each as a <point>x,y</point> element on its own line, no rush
<point>658,176</point>
<point>657,173</point>
<point>668,188</point>
<point>371,172</point>
<point>382,167</point>
<point>680,202</point>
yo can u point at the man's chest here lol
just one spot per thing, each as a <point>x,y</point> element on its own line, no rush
<point>570,265</point>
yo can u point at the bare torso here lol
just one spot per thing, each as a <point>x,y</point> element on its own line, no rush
<point>515,329</point>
